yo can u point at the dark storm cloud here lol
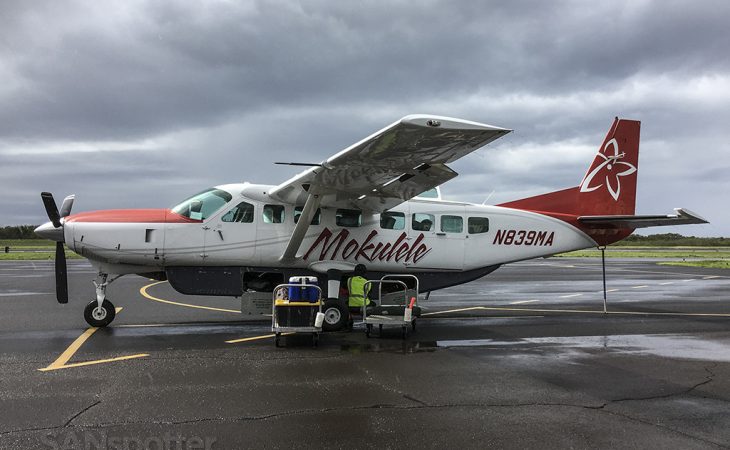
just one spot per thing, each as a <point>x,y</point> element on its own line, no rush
<point>189,94</point>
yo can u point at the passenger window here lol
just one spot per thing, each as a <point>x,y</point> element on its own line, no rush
<point>348,218</point>
<point>298,212</point>
<point>478,225</point>
<point>273,214</point>
<point>243,212</point>
<point>422,222</point>
<point>392,220</point>
<point>452,224</point>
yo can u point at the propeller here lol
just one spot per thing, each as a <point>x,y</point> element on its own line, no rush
<point>61,276</point>
<point>54,231</point>
<point>51,209</point>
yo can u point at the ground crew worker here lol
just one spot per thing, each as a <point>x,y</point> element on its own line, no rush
<point>356,288</point>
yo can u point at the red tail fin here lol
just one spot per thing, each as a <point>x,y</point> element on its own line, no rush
<point>609,186</point>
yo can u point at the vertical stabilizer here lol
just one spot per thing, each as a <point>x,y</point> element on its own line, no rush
<point>609,185</point>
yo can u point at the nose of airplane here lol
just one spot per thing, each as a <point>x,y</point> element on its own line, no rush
<point>48,231</point>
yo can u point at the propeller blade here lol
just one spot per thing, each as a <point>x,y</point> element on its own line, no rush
<point>66,206</point>
<point>51,208</point>
<point>61,277</point>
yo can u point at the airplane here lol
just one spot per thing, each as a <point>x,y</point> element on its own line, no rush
<point>377,202</point>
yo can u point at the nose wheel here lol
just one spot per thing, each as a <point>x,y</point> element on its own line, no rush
<point>99,316</point>
<point>100,312</point>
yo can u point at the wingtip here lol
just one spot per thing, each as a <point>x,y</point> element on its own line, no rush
<point>684,212</point>
<point>444,122</point>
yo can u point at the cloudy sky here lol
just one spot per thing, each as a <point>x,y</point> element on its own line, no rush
<point>139,104</point>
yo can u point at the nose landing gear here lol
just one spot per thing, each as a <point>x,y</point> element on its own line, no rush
<point>100,312</point>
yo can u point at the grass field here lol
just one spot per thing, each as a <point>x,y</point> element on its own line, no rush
<point>26,244</point>
<point>709,257</point>
<point>710,264</point>
<point>653,252</point>
<point>31,250</point>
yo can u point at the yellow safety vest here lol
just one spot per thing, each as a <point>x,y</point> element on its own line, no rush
<point>356,288</point>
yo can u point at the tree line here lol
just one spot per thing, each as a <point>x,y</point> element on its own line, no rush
<point>18,232</point>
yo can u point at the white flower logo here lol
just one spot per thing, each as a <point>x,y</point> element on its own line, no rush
<point>611,166</point>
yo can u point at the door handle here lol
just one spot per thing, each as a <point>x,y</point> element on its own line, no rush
<point>220,234</point>
<point>440,234</point>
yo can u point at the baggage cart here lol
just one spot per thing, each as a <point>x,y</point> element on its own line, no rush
<point>301,314</point>
<point>393,310</point>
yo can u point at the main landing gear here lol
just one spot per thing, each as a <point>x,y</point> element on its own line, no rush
<point>100,312</point>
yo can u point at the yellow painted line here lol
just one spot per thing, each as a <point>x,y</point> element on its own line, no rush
<point>570,295</point>
<point>255,338</point>
<point>521,302</point>
<point>711,277</point>
<point>144,293</point>
<point>640,287</point>
<point>69,352</point>
<point>61,361</point>
<point>666,283</point>
<point>452,310</point>
<point>691,279</point>
<point>74,347</point>
<point>89,363</point>
<point>583,311</point>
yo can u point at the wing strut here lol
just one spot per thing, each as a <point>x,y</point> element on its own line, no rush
<point>300,230</point>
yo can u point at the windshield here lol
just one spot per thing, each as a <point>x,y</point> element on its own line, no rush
<point>204,204</point>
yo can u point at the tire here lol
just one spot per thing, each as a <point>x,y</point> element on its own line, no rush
<point>277,340</point>
<point>336,315</point>
<point>99,318</point>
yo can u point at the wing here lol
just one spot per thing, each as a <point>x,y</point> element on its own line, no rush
<point>391,166</point>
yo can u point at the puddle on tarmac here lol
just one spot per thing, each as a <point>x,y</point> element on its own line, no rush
<point>391,346</point>
<point>663,345</point>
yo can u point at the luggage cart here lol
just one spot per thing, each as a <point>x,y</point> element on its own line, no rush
<point>409,293</point>
<point>289,316</point>
<point>390,314</point>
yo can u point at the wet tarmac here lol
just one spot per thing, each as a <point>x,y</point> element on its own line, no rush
<point>522,358</point>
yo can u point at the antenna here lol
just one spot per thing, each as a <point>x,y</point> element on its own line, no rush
<point>299,164</point>
<point>488,197</point>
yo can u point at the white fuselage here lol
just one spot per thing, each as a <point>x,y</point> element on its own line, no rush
<point>462,237</point>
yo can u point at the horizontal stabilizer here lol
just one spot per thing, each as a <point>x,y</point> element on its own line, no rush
<point>682,217</point>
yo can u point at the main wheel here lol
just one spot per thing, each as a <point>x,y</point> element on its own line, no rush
<point>336,315</point>
<point>99,317</point>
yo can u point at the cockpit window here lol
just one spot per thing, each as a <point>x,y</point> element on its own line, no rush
<point>204,204</point>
